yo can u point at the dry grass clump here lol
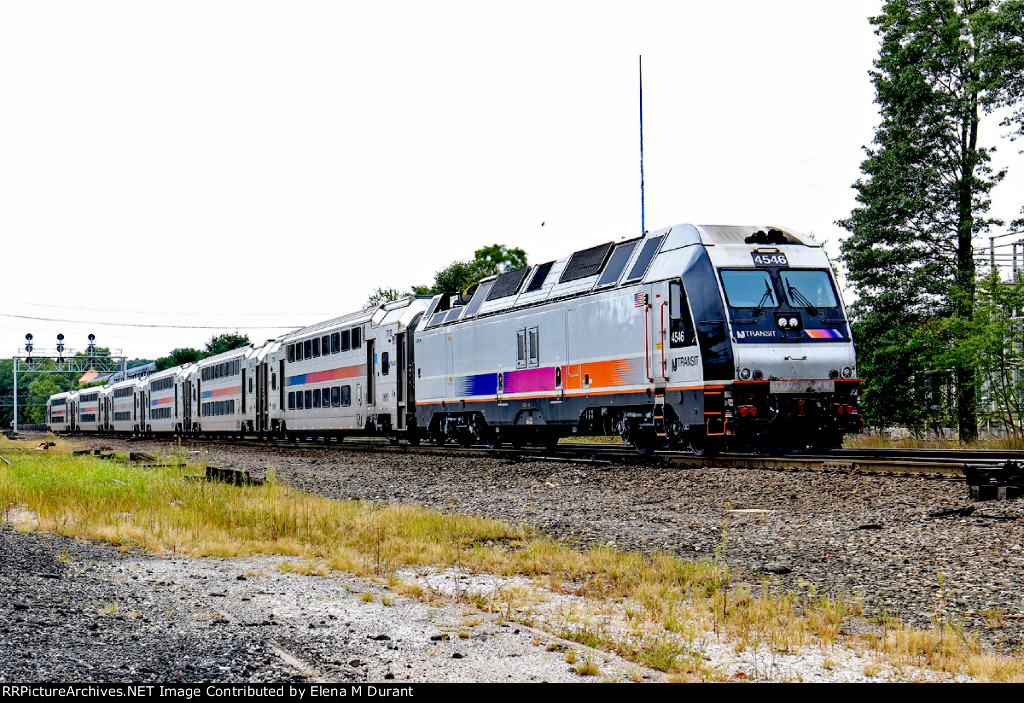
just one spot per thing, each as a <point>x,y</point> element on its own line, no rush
<point>879,440</point>
<point>653,609</point>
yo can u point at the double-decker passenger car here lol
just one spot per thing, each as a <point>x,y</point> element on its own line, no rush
<point>123,407</point>
<point>348,375</point>
<point>166,399</point>
<point>58,412</point>
<point>220,392</point>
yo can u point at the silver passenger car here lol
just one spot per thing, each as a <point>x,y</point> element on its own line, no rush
<point>344,376</point>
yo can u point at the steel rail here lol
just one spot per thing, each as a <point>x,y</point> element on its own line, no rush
<point>840,461</point>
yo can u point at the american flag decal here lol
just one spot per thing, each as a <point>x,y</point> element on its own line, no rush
<point>640,300</point>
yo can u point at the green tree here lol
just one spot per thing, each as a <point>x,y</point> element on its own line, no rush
<point>943,68</point>
<point>460,275</point>
<point>225,342</point>
<point>40,389</point>
<point>384,295</point>
<point>179,357</point>
<point>995,340</point>
<point>498,258</point>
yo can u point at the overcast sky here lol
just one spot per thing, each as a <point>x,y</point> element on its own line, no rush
<point>254,164</point>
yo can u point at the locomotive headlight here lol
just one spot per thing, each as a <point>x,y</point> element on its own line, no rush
<point>793,322</point>
<point>744,374</point>
<point>847,372</point>
<point>782,323</point>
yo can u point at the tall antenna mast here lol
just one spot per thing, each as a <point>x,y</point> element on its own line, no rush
<point>642,229</point>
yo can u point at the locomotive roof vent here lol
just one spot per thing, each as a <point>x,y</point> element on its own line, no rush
<point>752,234</point>
<point>772,236</point>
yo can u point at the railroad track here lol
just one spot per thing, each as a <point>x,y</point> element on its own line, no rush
<point>937,463</point>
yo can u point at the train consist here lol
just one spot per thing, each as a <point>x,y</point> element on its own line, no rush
<point>700,337</point>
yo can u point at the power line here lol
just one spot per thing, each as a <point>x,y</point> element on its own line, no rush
<point>135,324</point>
<point>149,312</point>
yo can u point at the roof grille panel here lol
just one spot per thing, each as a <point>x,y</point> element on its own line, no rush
<point>586,262</point>
<point>507,283</point>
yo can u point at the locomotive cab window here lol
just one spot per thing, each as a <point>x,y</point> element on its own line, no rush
<point>681,332</point>
<point>749,288</point>
<point>808,289</point>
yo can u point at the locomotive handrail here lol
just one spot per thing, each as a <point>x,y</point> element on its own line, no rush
<point>647,343</point>
<point>663,365</point>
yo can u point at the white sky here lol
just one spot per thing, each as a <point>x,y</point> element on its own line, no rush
<point>255,163</point>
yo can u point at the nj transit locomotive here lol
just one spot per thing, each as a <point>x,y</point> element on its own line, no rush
<point>702,337</point>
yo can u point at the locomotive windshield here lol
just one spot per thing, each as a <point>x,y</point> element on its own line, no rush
<point>749,289</point>
<point>808,289</point>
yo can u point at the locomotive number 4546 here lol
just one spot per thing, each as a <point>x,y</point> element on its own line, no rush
<point>774,258</point>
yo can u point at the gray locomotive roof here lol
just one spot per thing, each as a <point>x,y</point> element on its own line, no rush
<point>580,272</point>
<point>361,315</point>
<point>738,234</point>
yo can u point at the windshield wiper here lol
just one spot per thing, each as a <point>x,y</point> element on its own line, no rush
<point>801,299</point>
<point>764,298</point>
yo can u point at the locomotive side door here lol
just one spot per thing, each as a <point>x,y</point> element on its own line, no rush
<point>572,358</point>
<point>656,322</point>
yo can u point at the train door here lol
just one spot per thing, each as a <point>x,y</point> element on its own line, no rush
<point>261,398</point>
<point>401,379</point>
<point>386,374</point>
<point>449,367</point>
<point>371,363</point>
<point>572,350</point>
<point>186,406</point>
<point>656,319</point>
<point>277,383</point>
<point>683,353</point>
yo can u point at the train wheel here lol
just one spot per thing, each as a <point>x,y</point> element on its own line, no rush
<point>551,442</point>
<point>643,445</point>
<point>702,446</point>
<point>414,439</point>
<point>465,439</point>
